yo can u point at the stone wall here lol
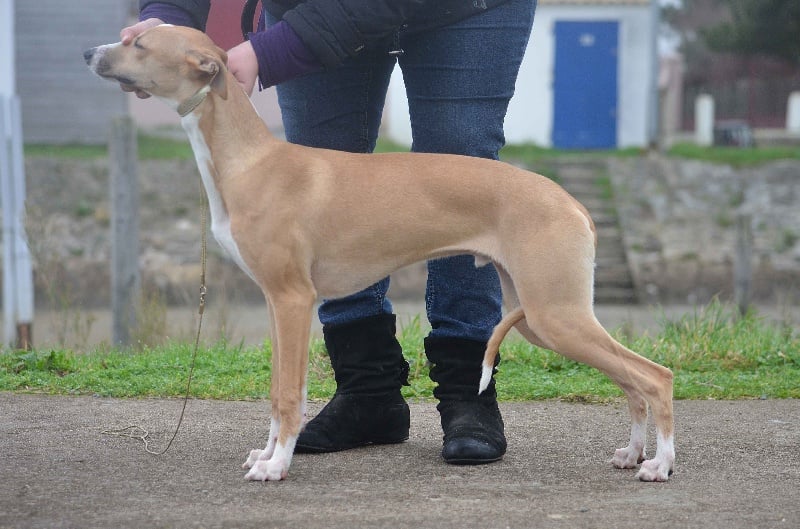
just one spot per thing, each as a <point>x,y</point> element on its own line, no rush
<point>679,218</point>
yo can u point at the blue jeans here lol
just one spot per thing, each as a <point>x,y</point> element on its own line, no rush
<point>459,80</point>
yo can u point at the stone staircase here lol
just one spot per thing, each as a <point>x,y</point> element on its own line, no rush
<point>584,179</point>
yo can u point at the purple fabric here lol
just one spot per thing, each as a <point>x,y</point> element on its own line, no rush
<point>282,55</point>
<point>168,13</point>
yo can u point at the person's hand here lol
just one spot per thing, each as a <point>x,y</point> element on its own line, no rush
<point>127,36</point>
<point>243,64</point>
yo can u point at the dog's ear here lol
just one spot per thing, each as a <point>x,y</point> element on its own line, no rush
<point>211,67</point>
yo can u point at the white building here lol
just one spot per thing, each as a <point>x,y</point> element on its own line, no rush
<point>588,79</point>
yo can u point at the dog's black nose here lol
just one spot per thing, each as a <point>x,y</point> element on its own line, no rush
<point>88,54</point>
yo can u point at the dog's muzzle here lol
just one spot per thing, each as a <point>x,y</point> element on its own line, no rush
<point>88,55</point>
<point>95,59</point>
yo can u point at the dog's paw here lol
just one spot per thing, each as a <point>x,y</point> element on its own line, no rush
<point>272,470</point>
<point>654,470</point>
<point>628,457</point>
<point>254,456</point>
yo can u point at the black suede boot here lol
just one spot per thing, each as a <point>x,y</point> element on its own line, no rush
<point>472,425</point>
<point>367,407</point>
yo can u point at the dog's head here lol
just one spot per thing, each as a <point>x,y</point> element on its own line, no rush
<point>170,62</point>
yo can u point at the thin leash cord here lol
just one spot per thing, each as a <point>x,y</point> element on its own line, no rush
<point>137,432</point>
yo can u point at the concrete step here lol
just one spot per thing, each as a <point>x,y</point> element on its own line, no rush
<point>613,280</point>
<point>609,231</point>
<point>617,277</point>
<point>604,219</point>
<point>614,296</point>
<point>595,204</point>
<point>608,257</point>
<point>580,187</point>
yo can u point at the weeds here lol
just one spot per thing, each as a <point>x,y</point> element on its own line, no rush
<point>713,352</point>
<point>716,337</point>
<point>735,156</point>
<point>58,363</point>
<point>73,326</point>
<point>151,320</point>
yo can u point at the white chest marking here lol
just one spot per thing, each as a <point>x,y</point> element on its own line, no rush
<point>220,221</point>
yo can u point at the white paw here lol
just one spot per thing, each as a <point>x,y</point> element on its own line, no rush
<point>654,470</point>
<point>272,470</point>
<point>254,456</point>
<point>628,457</point>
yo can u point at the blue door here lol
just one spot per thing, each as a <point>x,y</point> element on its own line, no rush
<point>585,85</point>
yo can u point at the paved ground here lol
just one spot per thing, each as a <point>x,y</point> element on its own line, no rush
<point>737,468</point>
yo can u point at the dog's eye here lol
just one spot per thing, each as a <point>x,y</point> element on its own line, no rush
<point>137,44</point>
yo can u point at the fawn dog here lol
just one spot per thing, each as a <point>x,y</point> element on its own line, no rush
<point>304,222</point>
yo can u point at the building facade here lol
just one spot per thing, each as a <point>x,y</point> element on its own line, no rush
<point>588,79</point>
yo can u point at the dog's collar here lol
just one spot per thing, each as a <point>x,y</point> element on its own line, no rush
<point>188,105</point>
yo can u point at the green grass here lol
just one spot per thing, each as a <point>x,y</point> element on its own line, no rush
<point>150,148</point>
<point>713,355</point>
<point>78,151</point>
<point>154,148</point>
<point>734,156</point>
<point>530,155</point>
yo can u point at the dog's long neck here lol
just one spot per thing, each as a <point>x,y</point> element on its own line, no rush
<point>230,130</point>
<point>228,139</point>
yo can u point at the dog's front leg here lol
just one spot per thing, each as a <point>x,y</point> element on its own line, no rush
<point>274,424</point>
<point>292,314</point>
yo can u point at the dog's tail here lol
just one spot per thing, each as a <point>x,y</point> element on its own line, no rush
<point>493,345</point>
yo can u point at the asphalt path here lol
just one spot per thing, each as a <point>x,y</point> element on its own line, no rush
<point>736,468</point>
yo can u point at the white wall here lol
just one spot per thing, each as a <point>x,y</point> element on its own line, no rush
<point>530,113</point>
<point>61,101</point>
<point>8,77</point>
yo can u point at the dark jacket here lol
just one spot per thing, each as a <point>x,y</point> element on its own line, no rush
<point>336,29</point>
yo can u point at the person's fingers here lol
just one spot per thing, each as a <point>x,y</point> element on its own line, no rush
<point>131,32</point>
<point>127,35</point>
<point>243,64</point>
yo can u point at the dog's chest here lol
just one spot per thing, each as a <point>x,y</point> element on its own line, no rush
<point>220,220</point>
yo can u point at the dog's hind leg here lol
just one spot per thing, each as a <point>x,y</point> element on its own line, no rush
<point>634,454</point>
<point>630,456</point>
<point>581,338</point>
<point>555,291</point>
